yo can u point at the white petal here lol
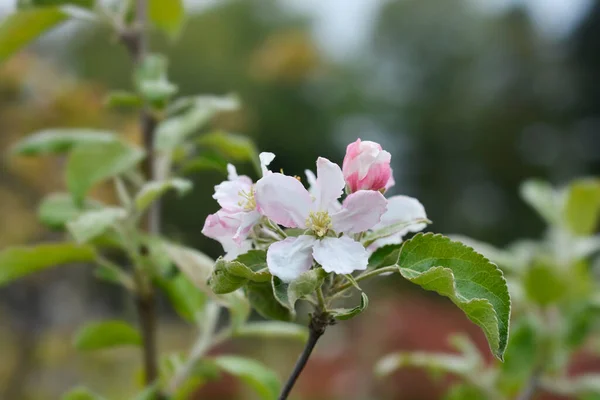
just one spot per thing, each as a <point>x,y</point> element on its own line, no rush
<point>403,209</point>
<point>247,221</point>
<point>265,159</point>
<point>340,255</point>
<point>330,184</point>
<point>312,181</point>
<point>232,249</point>
<point>361,211</point>
<point>283,199</point>
<point>227,193</point>
<point>231,172</point>
<point>291,257</point>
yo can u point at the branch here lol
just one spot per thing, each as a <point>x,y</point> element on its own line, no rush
<point>318,324</point>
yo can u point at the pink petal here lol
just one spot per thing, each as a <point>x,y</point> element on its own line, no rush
<point>361,211</point>
<point>340,255</point>
<point>330,184</point>
<point>291,257</point>
<point>247,222</point>
<point>283,199</point>
<point>221,224</point>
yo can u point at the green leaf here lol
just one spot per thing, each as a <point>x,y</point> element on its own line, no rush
<point>456,271</point>
<point>167,15</point>
<point>542,198</point>
<point>151,80</point>
<point>123,99</point>
<point>185,297</point>
<point>91,224</point>
<point>91,163</point>
<point>149,393</point>
<point>263,380</point>
<point>229,276</point>
<point>262,299</point>
<point>582,206</point>
<point>306,284</point>
<point>153,190</point>
<point>17,262</point>
<point>232,146</point>
<point>197,111</point>
<point>59,208</point>
<point>544,283</point>
<point>463,391</point>
<point>521,355</point>
<point>18,29</point>
<point>106,334</point>
<point>273,330</point>
<point>81,393</point>
<point>204,162</point>
<point>60,141</point>
<point>385,256</point>
<point>347,313</point>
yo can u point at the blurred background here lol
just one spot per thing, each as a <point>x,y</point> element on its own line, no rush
<point>471,97</point>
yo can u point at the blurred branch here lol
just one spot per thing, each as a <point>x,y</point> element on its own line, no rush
<point>531,386</point>
<point>135,39</point>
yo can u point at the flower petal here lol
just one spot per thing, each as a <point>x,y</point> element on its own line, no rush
<point>233,249</point>
<point>340,255</point>
<point>247,221</point>
<point>231,172</point>
<point>227,193</point>
<point>265,159</point>
<point>330,184</point>
<point>221,224</point>
<point>291,257</point>
<point>283,199</point>
<point>361,211</point>
<point>403,209</point>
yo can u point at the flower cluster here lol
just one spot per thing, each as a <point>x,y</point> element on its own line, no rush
<point>336,223</point>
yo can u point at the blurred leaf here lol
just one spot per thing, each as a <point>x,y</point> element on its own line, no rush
<point>229,276</point>
<point>197,111</point>
<point>582,207</point>
<point>287,293</point>
<point>273,330</point>
<point>106,334</point>
<point>149,393</point>
<point>90,224</point>
<point>167,15</point>
<point>59,208</point>
<point>123,99</point>
<point>498,256</point>
<point>585,384</point>
<point>91,163</point>
<point>232,146</point>
<point>151,80</point>
<point>542,198</point>
<point>60,141</point>
<point>521,355</point>
<point>16,262</point>
<point>22,27</point>
<point>263,380</point>
<point>439,362</point>
<point>262,299</point>
<point>544,283</point>
<point>463,391</point>
<point>153,190</point>
<point>456,271</point>
<point>185,297</point>
<point>347,313</point>
<point>204,162</point>
<point>81,393</point>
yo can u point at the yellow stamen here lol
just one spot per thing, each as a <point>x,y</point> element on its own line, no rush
<point>248,201</point>
<point>319,222</point>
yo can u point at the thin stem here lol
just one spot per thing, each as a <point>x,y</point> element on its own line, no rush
<point>135,39</point>
<point>531,387</point>
<point>368,274</point>
<point>316,329</point>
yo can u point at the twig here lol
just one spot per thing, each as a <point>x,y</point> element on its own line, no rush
<point>531,387</point>
<point>316,328</point>
<point>135,39</point>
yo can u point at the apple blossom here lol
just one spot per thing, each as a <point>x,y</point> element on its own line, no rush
<point>285,201</point>
<point>405,213</point>
<point>238,214</point>
<point>367,167</point>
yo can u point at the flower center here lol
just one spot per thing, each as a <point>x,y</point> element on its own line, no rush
<point>319,222</point>
<point>248,202</point>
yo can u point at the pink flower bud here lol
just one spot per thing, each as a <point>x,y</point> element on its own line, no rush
<point>367,167</point>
